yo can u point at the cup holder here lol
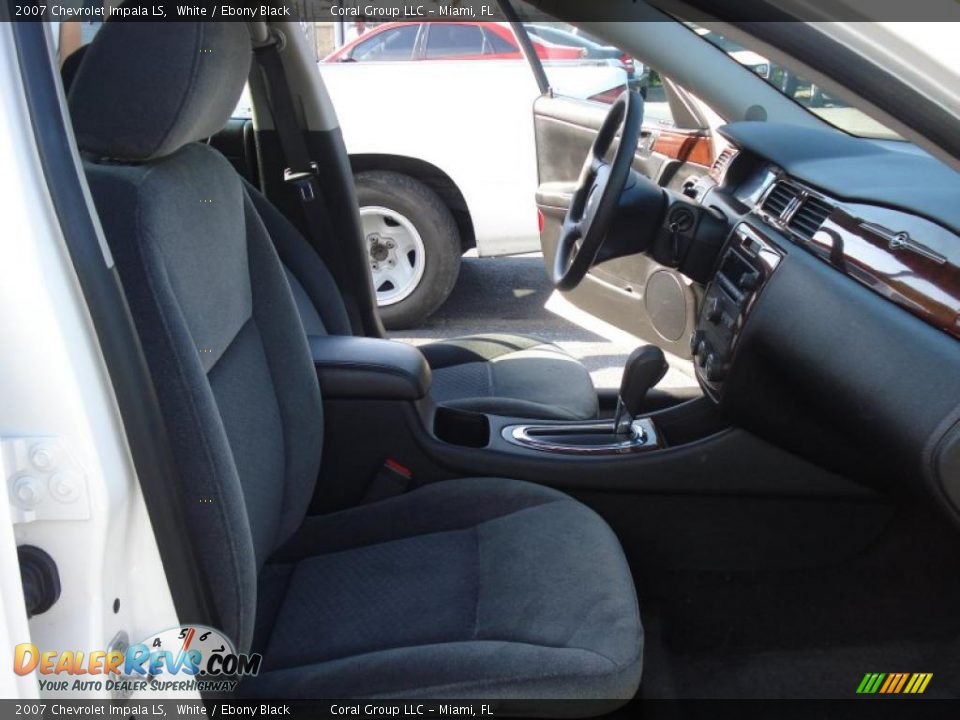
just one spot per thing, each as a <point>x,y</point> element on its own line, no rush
<point>462,427</point>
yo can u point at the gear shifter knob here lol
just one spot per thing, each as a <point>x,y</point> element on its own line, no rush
<point>645,367</point>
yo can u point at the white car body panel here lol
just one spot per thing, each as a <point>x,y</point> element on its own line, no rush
<point>471,119</point>
<point>55,386</point>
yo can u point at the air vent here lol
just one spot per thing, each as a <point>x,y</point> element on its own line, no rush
<point>810,216</point>
<point>780,198</point>
<point>720,165</point>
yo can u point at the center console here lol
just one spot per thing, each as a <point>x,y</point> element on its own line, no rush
<point>745,266</point>
<point>382,425</point>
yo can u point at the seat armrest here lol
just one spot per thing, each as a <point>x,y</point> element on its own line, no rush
<point>369,369</point>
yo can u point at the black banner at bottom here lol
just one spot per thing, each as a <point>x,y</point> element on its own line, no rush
<point>872,708</point>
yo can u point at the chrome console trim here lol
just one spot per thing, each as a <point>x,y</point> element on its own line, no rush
<point>643,438</point>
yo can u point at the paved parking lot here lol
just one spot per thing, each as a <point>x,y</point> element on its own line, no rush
<point>514,295</point>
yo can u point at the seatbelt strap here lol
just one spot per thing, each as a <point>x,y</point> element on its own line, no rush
<point>301,172</point>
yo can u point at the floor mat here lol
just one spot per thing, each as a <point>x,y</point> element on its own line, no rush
<point>811,633</point>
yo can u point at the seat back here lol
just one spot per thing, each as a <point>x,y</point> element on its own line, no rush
<point>212,305</point>
<point>318,299</point>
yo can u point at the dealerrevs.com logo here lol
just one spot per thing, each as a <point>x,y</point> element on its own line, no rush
<point>190,658</point>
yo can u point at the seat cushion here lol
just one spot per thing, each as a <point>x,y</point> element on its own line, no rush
<point>476,588</point>
<point>511,375</point>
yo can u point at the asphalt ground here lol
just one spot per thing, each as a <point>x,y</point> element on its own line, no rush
<point>514,295</point>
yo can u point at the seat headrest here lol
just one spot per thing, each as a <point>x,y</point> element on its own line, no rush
<point>144,90</point>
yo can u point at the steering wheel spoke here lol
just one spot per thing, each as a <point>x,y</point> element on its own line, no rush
<point>572,226</point>
<point>597,163</point>
<point>597,196</point>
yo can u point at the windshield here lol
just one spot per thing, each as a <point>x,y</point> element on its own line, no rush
<point>800,90</point>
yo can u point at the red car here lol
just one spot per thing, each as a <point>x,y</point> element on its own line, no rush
<point>445,41</point>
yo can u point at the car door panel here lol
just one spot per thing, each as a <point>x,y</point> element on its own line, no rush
<point>634,293</point>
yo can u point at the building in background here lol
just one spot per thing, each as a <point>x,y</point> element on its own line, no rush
<point>323,36</point>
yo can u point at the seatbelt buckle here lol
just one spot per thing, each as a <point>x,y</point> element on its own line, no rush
<point>391,480</point>
<point>302,180</point>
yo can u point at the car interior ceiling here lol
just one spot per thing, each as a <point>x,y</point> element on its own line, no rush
<point>789,532</point>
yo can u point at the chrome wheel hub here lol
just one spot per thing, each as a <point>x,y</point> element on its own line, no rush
<point>396,251</point>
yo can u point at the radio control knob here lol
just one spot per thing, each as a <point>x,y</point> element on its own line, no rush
<point>714,311</point>
<point>695,341</point>
<point>703,350</point>
<point>714,369</point>
<point>750,281</point>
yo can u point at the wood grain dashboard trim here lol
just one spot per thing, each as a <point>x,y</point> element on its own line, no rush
<point>691,147</point>
<point>904,271</point>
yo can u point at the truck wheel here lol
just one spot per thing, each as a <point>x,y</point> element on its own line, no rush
<point>413,245</point>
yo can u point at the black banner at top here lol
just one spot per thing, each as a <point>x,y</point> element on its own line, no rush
<point>212,709</point>
<point>480,10</point>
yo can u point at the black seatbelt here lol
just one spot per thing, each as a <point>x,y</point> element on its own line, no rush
<point>301,172</point>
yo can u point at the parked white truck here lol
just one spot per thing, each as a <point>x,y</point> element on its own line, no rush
<point>426,197</point>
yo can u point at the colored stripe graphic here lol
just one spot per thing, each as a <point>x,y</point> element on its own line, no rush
<point>894,683</point>
<point>870,683</point>
<point>918,683</point>
<point>892,679</point>
<point>903,681</point>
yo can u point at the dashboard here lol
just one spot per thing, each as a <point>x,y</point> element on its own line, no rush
<point>908,259</point>
<point>831,324</point>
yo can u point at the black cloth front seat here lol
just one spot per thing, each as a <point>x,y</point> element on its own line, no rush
<point>501,374</point>
<point>478,588</point>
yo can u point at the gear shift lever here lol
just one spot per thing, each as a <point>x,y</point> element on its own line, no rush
<point>645,367</point>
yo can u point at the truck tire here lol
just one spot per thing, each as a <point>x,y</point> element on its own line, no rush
<point>413,245</point>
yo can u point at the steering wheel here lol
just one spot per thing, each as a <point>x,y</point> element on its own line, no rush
<point>594,203</point>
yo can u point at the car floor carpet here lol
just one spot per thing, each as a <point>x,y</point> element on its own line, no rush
<point>812,633</point>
